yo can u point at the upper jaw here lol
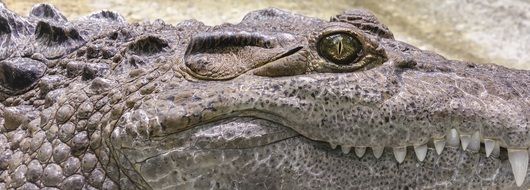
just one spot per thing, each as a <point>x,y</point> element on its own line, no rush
<point>375,107</point>
<point>345,109</point>
<point>378,108</point>
<point>474,102</point>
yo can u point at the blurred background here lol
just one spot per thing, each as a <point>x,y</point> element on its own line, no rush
<point>483,31</point>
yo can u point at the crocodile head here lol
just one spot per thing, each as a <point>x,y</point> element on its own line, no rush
<point>259,104</point>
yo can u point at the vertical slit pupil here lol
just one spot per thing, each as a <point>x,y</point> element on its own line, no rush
<point>340,48</point>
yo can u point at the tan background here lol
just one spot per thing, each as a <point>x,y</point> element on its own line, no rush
<point>484,31</point>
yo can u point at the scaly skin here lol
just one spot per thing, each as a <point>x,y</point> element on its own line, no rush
<point>98,103</point>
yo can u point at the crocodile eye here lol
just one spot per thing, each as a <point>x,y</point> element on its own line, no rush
<point>340,48</point>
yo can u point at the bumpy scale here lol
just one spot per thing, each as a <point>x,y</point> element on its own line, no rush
<point>99,103</point>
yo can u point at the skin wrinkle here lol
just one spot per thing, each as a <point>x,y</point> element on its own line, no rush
<point>154,124</point>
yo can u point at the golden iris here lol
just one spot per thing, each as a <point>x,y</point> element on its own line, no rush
<point>340,48</point>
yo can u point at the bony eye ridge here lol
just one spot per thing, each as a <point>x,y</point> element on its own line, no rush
<point>340,48</point>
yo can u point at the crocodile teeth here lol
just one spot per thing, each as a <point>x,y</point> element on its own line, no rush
<point>496,150</point>
<point>489,145</point>
<point>421,151</point>
<point>474,144</point>
<point>519,161</point>
<point>359,151</point>
<point>439,145</point>
<point>452,138</point>
<point>378,151</point>
<point>400,153</point>
<point>333,146</point>
<point>465,139</point>
<point>346,149</point>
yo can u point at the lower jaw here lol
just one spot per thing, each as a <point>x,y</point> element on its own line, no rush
<point>302,163</point>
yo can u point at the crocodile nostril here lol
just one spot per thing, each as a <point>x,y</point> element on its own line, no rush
<point>212,42</point>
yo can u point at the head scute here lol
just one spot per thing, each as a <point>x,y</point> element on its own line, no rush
<point>364,20</point>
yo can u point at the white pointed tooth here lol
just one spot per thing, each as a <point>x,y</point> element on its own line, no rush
<point>400,153</point>
<point>378,151</point>
<point>359,151</point>
<point>346,149</point>
<point>489,144</point>
<point>452,138</point>
<point>496,150</point>
<point>474,145</point>
<point>333,146</point>
<point>439,145</point>
<point>519,161</point>
<point>465,139</point>
<point>421,151</point>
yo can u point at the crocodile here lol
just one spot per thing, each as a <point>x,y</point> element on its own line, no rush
<point>277,101</point>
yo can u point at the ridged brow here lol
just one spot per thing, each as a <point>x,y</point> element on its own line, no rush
<point>205,42</point>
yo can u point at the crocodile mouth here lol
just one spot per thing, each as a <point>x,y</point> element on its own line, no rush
<point>282,132</point>
<point>203,108</point>
<point>245,132</point>
<point>467,142</point>
<point>472,143</point>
